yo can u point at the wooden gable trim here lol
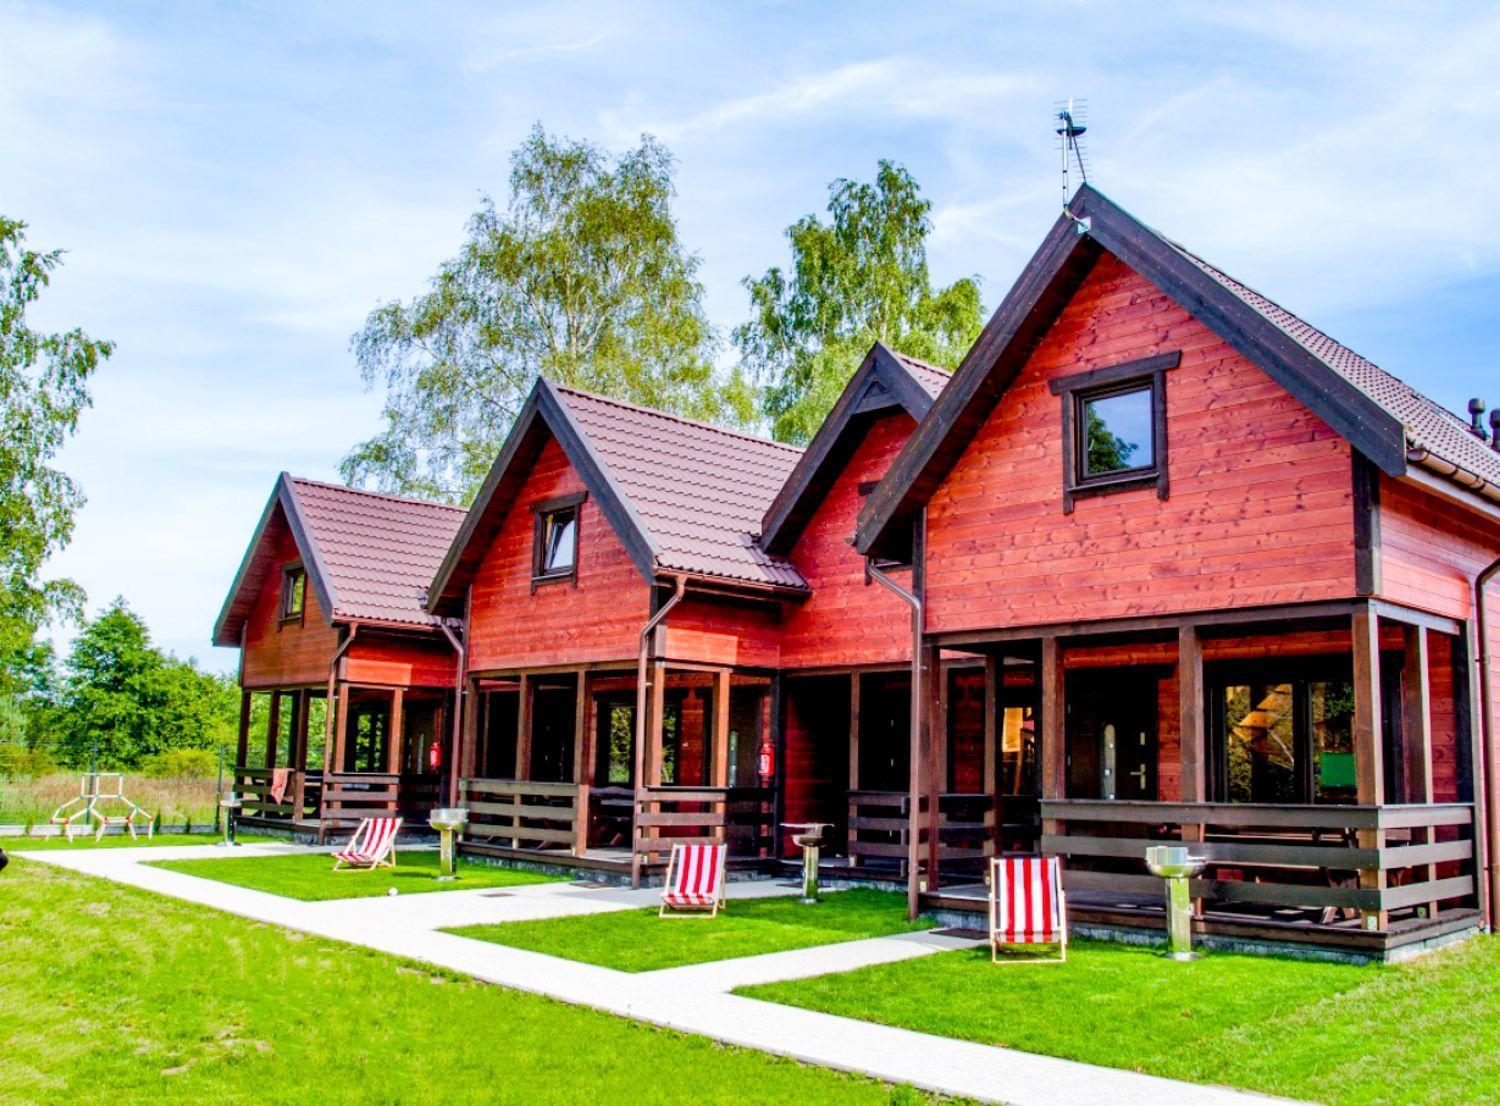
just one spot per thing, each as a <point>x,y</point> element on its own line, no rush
<point>880,384</point>
<point>1090,226</point>
<point>543,412</point>
<point>228,625</point>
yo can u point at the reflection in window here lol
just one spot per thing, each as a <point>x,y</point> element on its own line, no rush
<point>293,592</point>
<point>1262,745</point>
<point>559,542</point>
<point>1118,433</point>
<point>1018,751</point>
<point>1331,707</point>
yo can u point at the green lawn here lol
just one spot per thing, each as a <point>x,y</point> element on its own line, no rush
<point>639,941</point>
<point>120,841</point>
<point>311,878</point>
<point>1428,1031</point>
<point>112,993</point>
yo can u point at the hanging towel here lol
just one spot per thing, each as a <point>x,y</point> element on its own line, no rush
<point>280,777</point>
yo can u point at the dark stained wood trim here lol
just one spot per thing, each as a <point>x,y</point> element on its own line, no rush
<point>559,503</point>
<point>1410,616</point>
<point>1138,369</point>
<point>1192,727</point>
<point>1366,525</point>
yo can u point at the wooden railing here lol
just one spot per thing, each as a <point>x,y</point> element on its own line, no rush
<point>298,802</point>
<point>966,831</point>
<point>1292,856</point>
<point>879,827</point>
<point>739,816</point>
<point>519,814</point>
<point>350,796</point>
<point>611,815</point>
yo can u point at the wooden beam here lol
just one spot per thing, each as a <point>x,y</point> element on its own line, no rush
<point>855,684</point>
<point>523,729</point>
<point>1368,766</point>
<point>720,757</point>
<point>273,729</point>
<point>1053,728</point>
<point>1416,726</point>
<point>334,760</point>
<point>299,734</point>
<point>394,735</point>
<point>934,735</point>
<point>1193,733</point>
<point>655,721</point>
<point>242,744</point>
<point>990,756</point>
<point>583,758</point>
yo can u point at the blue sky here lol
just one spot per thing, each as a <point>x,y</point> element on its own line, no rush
<point>237,186</point>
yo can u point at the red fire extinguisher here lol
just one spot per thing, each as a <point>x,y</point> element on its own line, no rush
<point>766,761</point>
<point>435,755</point>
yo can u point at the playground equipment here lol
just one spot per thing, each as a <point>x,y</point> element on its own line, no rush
<point>100,804</point>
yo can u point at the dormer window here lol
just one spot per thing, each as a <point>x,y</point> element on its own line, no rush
<point>555,546</point>
<point>293,593</point>
<point>1115,428</point>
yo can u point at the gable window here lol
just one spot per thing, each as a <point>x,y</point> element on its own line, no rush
<point>1115,428</point>
<point>555,544</point>
<point>293,593</point>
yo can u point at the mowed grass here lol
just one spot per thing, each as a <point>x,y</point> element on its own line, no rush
<point>1426,1031</point>
<point>120,841</point>
<point>639,941</point>
<point>112,993</point>
<point>311,878</point>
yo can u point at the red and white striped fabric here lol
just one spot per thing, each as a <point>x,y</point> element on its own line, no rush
<point>371,842</point>
<point>697,876</point>
<point>1026,906</point>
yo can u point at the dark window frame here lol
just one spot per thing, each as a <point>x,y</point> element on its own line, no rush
<point>542,512</point>
<point>1080,389</point>
<point>293,576</point>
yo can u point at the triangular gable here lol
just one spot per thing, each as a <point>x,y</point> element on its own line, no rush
<point>543,414</point>
<point>283,508</point>
<point>1091,225</point>
<point>885,381</point>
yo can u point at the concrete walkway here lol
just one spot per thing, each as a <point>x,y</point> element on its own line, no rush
<point>694,999</point>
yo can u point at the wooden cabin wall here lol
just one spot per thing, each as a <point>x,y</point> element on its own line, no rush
<point>1431,550</point>
<point>400,661</point>
<point>847,620</point>
<point>966,731</point>
<point>726,632</point>
<point>596,619</point>
<point>283,656</point>
<point>1260,508</point>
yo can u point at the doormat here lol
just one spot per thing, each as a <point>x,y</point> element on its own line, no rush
<point>591,884</point>
<point>959,931</point>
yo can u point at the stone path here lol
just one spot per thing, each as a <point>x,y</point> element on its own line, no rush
<point>694,999</point>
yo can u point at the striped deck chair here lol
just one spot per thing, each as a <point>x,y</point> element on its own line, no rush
<point>372,846</point>
<point>695,880</point>
<point>1027,906</point>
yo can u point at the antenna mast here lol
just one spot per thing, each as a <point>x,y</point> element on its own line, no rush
<point>1070,128</point>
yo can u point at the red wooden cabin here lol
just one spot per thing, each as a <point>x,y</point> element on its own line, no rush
<point>327,607</point>
<point>1221,571</point>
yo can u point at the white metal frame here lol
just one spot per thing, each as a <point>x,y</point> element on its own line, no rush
<point>680,910</point>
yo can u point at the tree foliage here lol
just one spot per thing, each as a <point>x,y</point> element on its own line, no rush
<point>122,700</point>
<point>859,277</point>
<point>580,276</point>
<point>44,379</point>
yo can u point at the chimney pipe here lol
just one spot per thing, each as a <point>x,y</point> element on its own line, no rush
<point>1476,420</point>
<point>1495,429</point>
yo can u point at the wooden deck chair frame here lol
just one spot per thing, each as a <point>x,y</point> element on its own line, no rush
<point>996,941</point>
<point>681,910</point>
<point>340,864</point>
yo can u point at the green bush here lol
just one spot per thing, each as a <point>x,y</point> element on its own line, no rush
<point>181,764</point>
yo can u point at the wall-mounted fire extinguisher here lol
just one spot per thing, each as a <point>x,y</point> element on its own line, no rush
<point>435,755</point>
<point>766,761</point>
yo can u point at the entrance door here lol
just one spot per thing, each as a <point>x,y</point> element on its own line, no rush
<point>1111,734</point>
<point>884,732</point>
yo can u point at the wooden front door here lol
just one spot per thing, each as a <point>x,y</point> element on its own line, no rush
<point>1111,734</point>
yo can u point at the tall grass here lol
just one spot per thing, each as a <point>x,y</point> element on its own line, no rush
<point>34,800</point>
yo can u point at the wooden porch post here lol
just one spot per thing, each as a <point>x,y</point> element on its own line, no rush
<point>1369,770</point>
<point>333,761</point>
<point>935,731</point>
<point>273,729</point>
<point>523,729</point>
<point>655,717</point>
<point>242,744</point>
<point>299,734</point>
<point>465,762</point>
<point>1416,727</point>
<point>852,833</point>
<point>394,735</point>
<point>989,774</point>
<point>583,759</point>
<point>1191,730</point>
<point>719,760</point>
<point>1053,731</point>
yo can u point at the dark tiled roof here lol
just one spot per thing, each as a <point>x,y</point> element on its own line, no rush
<point>932,379</point>
<point>699,490</point>
<point>377,553</point>
<point>1429,426</point>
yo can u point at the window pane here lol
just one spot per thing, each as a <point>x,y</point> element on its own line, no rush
<point>1018,751</point>
<point>293,592</point>
<point>1332,703</point>
<point>561,542</point>
<point>1261,744</point>
<point>1119,433</point>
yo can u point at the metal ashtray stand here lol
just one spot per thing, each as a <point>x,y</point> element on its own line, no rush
<point>449,822</point>
<point>1176,868</point>
<point>810,836</point>
<point>231,805</point>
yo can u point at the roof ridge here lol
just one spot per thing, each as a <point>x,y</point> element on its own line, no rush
<point>918,361</point>
<point>658,412</point>
<point>413,500</point>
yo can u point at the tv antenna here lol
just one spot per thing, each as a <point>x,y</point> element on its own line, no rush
<point>1070,129</point>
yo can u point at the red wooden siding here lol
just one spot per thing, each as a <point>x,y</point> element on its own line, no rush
<point>847,621</point>
<point>1260,507</point>
<point>400,662</point>
<point>596,619</point>
<point>283,656</point>
<point>710,631</point>
<point>1431,550</point>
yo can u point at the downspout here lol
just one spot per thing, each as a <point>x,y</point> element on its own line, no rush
<point>914,776</point>
<point>642,651</point>
<point>454,756</point>
<point>1488,742</point>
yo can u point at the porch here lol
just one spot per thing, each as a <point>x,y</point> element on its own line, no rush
<point>589,769</point>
